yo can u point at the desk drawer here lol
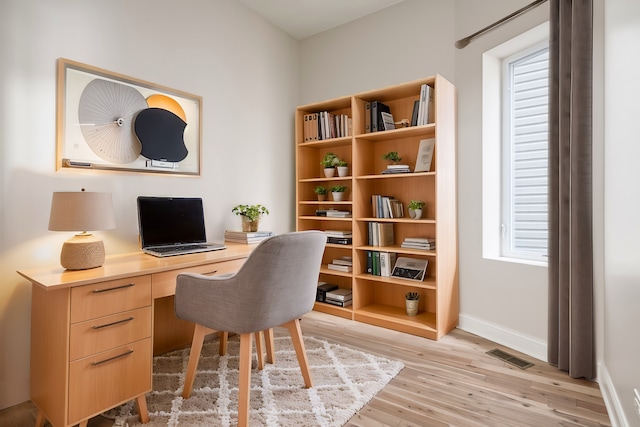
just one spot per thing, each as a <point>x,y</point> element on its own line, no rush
<point>164,284</point>
<point>111,297</point>
<point>105,380</point>
<point>96,335</point>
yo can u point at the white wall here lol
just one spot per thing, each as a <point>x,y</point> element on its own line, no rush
<point>621,203</point>
<point>244,69</point>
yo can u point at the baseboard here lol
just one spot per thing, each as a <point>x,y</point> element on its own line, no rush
<point>528,345</point>
<point>610,397</point>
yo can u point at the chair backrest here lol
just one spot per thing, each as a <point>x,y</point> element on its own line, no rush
<point>276,284</point>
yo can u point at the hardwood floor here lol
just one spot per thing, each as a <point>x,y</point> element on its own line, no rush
<point>450,382</point>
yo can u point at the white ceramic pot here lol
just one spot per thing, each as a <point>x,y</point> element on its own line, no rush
<point>329,172</point>
<point>343,170</point>
<point>337,196</point>
<point>415,213</point>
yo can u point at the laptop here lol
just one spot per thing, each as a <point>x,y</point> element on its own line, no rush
<point>172,226</point>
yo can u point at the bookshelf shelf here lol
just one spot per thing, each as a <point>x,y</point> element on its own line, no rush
<point>378,299</point>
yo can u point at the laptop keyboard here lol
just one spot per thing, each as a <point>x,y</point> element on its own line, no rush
<point>167,249</point>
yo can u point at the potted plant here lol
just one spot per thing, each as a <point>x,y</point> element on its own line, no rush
<point>343,168</point>
<point>329,162</point>
<point>415,208</point>
<point>337,191</point>
<point>412,299</point>
<point>250,215</point>
<point>321,192</point>
<point>393,157</point>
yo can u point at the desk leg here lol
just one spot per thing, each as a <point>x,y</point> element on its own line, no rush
<point>141,403</point>
<point>40,419</point>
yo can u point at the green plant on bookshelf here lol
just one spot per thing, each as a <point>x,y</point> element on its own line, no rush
<point>341,163</point>
<point>392,156</point>
<point>416,204</point>
<point>338,189</point>
<point>329,160</point>
<point>320,190</point>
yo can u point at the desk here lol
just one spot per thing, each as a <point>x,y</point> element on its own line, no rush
<point>94,332</point>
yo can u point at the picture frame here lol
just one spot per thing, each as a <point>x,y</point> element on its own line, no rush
<point>109,121</point>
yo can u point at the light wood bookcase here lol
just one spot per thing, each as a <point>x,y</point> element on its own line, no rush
<point>381,300</point>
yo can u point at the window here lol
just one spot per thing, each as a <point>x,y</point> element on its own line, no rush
<point>515,148</point>
<point>525,154</point>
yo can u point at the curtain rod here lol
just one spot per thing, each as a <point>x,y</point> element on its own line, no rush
<point>465,41</point>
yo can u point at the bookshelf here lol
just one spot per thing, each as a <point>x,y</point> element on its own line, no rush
<point>380,300</point>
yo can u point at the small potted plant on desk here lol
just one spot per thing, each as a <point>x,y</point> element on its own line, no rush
<point>337,192</point>
<point>250,215</point>
<point>329,162</point>
<point>321,192</point>
<point>415,209</point>
<point>412,299</point>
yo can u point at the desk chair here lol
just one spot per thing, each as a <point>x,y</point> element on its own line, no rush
<point>275,286</point>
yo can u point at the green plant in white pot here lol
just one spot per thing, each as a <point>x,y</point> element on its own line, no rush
<point>337,192</point>
<point>329,162</point>
<point>343,168</point>
<point>415,208</point>
<point>250,215</point>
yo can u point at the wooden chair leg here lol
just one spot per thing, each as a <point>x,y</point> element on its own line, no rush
<point>268,340</point>
<point>224,337</point>
<point>141,403</point>
<point>244,384</point>
<point>296,338</point>
<point>259,350</point>
<point>196,348</point>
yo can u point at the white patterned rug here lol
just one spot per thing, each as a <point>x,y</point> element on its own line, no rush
<point>344,380</point>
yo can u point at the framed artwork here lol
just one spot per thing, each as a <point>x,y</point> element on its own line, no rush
<point>110,121</point>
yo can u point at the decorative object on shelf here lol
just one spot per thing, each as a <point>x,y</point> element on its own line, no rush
<point>337,191</point>
<point>415,209</point>
<point>393,157</point>
<point>329,162</point>
<point>343,168</point>
<point>81,211</point>
<point>110,121</point>
<point>412,299</point>
<point>321,192</point>
<point>250,215</point>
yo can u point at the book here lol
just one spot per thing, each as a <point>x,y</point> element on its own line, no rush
<point>338,233</point>
<point>387,121</point>
<point>387,261</point>
<point>410,268</point>
<point>339,240</point>
<point>425,155</point>
<point>338,267</point>
<point>331,213</point>
<point>378,107</point>
<point>367,117</point>
<point>338,302</point>
<point>427,246</point>
<point>246,236</point>
<point>369,262</point>
<point>340,294</point>
<point>419,239</point>
<point>345,260</point>
<point>414,115</point>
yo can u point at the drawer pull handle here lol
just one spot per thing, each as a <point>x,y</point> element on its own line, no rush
<point>126,353</point>
<point>113,323</point>
<point>128,285</point>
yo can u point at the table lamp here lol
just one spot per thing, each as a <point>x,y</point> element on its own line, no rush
<point>81,211</point>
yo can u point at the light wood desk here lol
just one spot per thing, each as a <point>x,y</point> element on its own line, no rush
<point>94,332</point>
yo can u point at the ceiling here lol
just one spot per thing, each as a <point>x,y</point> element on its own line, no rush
<point>304,18</point>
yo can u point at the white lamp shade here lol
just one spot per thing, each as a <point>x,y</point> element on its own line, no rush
<point>81,211</point>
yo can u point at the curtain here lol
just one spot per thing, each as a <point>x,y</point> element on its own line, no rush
<point>571,316</point>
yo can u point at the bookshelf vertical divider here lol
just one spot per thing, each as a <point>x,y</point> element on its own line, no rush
<point>379,299</point>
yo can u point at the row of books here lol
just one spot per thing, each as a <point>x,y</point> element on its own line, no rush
<point>423,107</point>
<point>344,263</point>
<point>373,117</point>
<point>326,125</point>
<point>246,236</point>
<point>427,243</point>
<point>380,234</point>
<point>380,263</point>
<point>386,207</point>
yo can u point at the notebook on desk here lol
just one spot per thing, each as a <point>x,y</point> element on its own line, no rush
<point>172,226</point>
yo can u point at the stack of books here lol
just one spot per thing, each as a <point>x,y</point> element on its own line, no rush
<point>419,243</point>
<point>246,236</point>
<point>340,237</point>
<point>344,263</point>
<point>340,297</point>
<point>397,169</point>
<point>334,213</point>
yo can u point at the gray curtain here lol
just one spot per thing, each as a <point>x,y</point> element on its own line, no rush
<point>571,324</point>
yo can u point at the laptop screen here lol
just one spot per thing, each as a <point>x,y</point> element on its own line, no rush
<point>170,220</point>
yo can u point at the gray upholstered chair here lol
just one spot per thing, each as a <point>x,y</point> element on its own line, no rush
<point>275,286</point>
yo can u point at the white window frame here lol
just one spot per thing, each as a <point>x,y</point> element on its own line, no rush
<point>493,155</point>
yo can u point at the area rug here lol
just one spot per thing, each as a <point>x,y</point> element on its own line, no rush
<point>344,380</point>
